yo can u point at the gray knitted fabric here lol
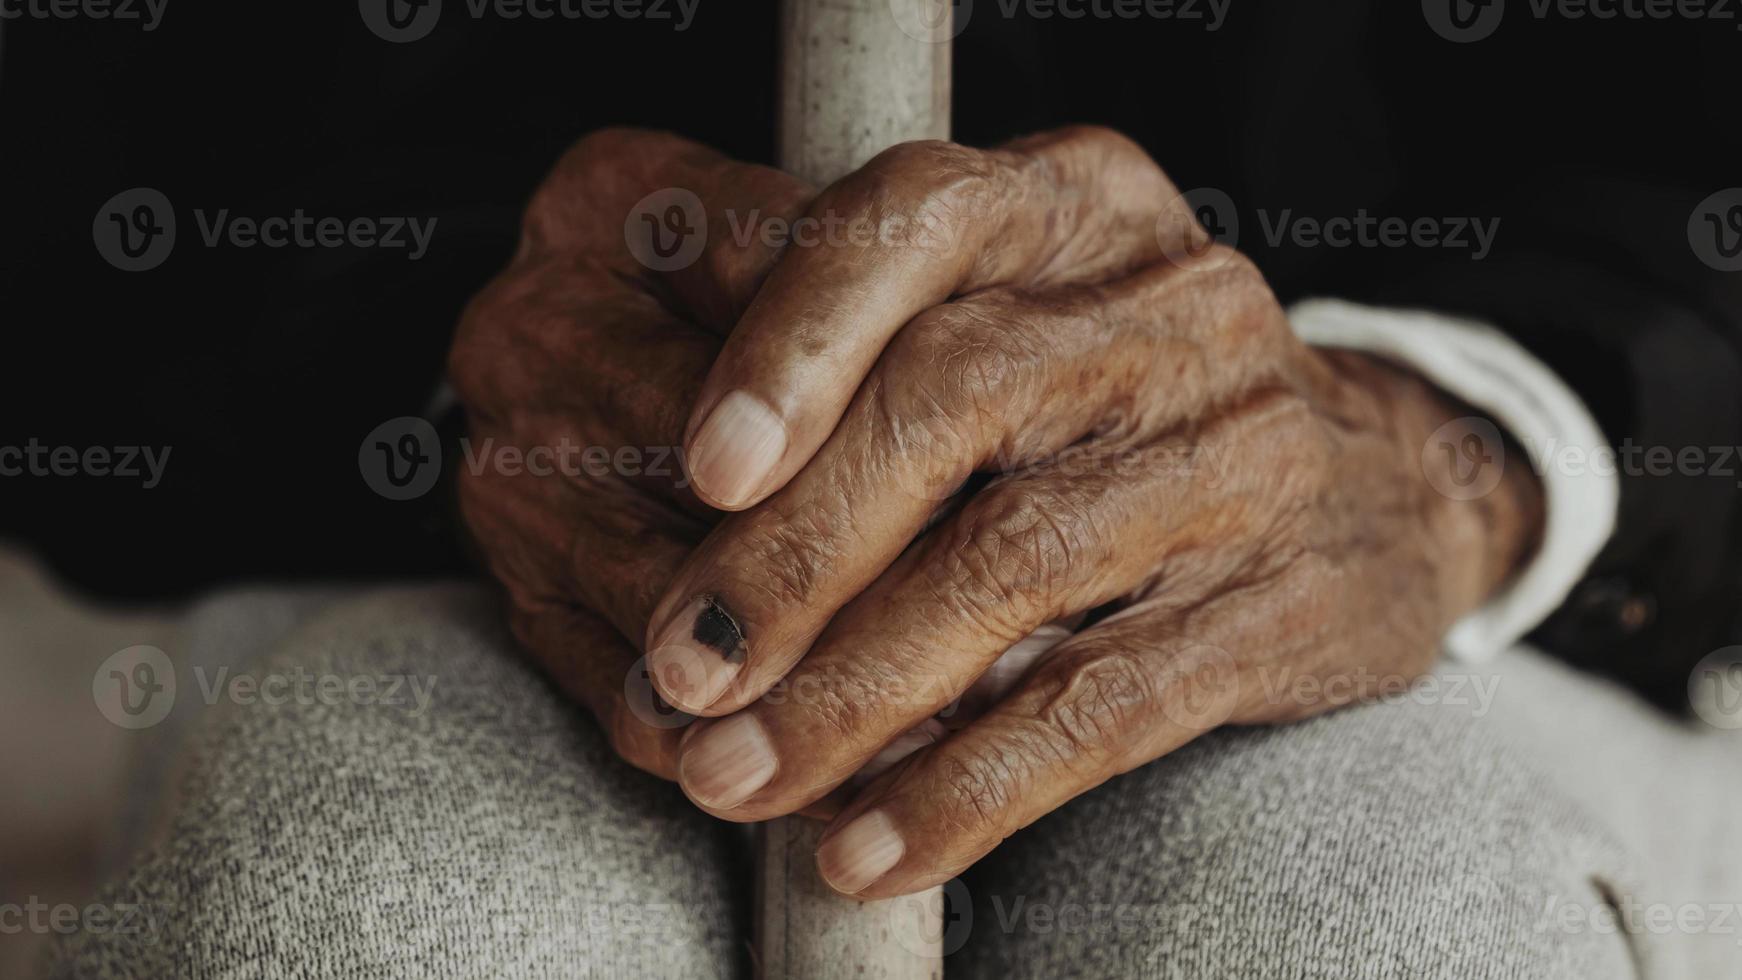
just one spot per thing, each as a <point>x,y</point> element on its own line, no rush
<point>492,834</point>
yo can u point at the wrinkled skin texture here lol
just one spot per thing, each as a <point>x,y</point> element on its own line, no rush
<point>576,345</point>
<point>1241,518</point>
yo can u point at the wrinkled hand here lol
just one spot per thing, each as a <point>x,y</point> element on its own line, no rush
<point>1236,514</point>
<point>578,366</point>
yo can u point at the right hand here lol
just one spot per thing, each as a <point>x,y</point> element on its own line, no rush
<point>581,343</point>
<point>577,344</point>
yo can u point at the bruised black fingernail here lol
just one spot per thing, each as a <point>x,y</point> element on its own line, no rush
<point>697,653</point>
<point>716,629</point>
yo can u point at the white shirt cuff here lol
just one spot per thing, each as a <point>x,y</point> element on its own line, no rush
<point>1485,368</point>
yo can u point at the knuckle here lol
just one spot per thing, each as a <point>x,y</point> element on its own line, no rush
<point>1248,293</point>
<point>1016,552</point>
<point>926,165</point>
<point>1096,137</point>
<point>601,147</point>
<point>981,785</point>
<point>1114,161</point>
<point>603,160</point>
<point>612,150</point>
<point>794,554</point>
<point>1117,154</point>
<point>965,359</point>
<point>1101,695</point>
<point>472,353</point>
<point>1285,430</point>
<point>920,192</point>
<point>738,272</point>
<point>1246,299</point>
<point>850,700</point>
<point>511,330</point>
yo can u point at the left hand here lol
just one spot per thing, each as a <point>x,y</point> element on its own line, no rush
<point>1257,516</point>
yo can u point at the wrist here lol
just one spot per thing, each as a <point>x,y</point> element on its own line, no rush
<point>1484,503</point>
<point>1480,504</point>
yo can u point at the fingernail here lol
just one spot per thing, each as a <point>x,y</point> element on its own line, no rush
<point>861,853</point>
<point>728,762</point>
<point>697,655</point>
<point>736,448</point>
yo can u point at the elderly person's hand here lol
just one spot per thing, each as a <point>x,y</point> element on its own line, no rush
<point>578,366</point>
<point>1237,515</point>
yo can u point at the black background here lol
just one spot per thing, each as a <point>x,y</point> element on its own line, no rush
<point>264,369</point>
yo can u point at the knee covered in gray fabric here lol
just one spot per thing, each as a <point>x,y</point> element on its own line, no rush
<point>1383,840</point>
<point>391,789</point>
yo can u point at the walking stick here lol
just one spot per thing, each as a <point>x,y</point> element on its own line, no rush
<point>857,76</point>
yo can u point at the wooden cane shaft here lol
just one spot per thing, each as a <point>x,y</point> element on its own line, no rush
<point>857,76</point>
